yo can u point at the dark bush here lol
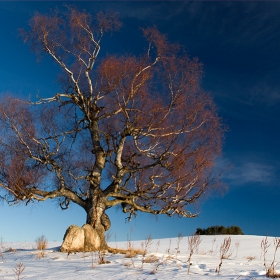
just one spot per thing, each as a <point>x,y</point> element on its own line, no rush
<point>218,230</point>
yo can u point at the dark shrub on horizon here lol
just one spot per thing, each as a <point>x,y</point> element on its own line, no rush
<point>219,230</point>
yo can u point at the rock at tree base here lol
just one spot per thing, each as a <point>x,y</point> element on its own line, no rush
<point>74,239</point>
<point>78,239</point>
<point>92,239</point>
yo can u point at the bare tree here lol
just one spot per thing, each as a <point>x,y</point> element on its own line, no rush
<point>138,132</point>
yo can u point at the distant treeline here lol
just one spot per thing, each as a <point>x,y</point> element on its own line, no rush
<point>217,230</point>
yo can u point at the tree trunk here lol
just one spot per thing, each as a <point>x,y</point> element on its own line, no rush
<point>99,221</point>
<point>91,237</point>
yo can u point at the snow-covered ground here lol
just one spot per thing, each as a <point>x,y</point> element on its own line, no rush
<point>245,261</point>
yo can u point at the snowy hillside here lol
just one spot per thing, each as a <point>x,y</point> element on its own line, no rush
<point>165,259</point>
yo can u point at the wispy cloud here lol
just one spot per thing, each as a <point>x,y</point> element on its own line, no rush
<point>250,172</point>
<point>265,93</point>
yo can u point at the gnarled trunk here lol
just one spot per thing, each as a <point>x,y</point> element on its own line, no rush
<point>91,237</point>
<point>99,221</point>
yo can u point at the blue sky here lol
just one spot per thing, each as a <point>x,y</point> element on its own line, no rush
<point>239,45</point>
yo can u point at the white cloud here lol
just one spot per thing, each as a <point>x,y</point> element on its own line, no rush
<point>250,172</point>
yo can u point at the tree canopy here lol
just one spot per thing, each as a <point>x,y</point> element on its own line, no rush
<point>134,131</point>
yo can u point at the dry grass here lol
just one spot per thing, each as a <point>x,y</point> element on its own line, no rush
<point>271,273</point>
<point>224,249</point>
<point>270,268</point>
<point>2,256</point>
<point>18,270</point>
<point>127,252</point>
<point>132,252</point>
<point>237,244</point>
<point>116,251</point>
<point>41,246</point>
<point>145,246</point>
<point>177,249</point>
<point>193,243</point>
<point>41,243</point>
<point>41,254</point>
<point>10,250</point>
<point>127,264</point>
<point>151,259</point>
<point>101,257</point>
<point>161,262</point>
<point>250,258</point>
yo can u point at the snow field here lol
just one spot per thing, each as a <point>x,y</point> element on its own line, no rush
<point>166,259</point>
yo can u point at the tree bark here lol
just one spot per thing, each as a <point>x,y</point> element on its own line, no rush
<point>91,237</point>
<point>97,218</point>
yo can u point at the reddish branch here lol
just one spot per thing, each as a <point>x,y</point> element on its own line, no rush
<point>134,131</point>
